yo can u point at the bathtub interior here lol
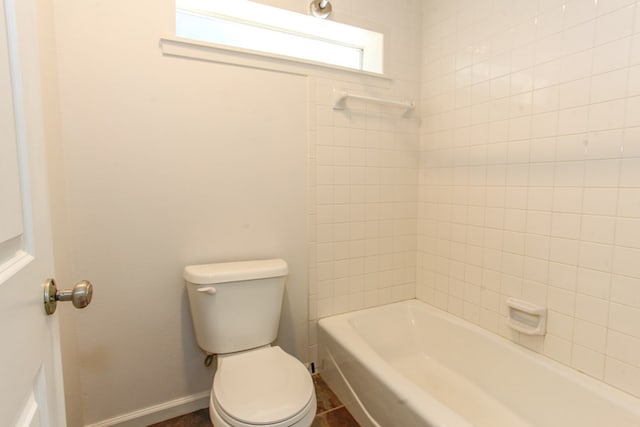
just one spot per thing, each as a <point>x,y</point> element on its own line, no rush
<point>484,378</point>
<point>396,335</point>
<point>368,395</point>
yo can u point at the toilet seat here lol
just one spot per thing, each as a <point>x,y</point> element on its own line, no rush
<point>221,419</point>
<point>262,387</point>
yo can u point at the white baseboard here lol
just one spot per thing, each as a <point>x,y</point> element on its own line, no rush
<point>157,413</point>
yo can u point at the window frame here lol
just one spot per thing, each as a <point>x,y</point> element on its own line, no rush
<point>369,45</point>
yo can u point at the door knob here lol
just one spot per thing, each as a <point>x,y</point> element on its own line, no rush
<point>80,295</point>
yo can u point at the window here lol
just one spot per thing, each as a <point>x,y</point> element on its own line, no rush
<point>256,27</point>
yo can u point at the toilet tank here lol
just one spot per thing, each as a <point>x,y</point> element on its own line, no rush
<point>236,306</point>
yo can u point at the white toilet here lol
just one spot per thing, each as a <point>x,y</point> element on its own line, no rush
<point>235,308</point>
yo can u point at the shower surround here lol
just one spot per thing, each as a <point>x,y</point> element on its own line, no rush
<point>530,173</point>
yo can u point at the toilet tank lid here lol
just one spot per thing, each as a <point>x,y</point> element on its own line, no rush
<point>205,274</point>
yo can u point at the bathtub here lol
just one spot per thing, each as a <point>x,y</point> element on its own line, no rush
<point>409,364</point>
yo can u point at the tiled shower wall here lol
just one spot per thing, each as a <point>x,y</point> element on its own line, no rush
<point>530,173</point>
<point>364,226</point>
<point>364,174</point>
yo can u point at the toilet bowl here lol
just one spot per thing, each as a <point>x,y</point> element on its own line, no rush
<point>235,309</point>
<point>263,387</point>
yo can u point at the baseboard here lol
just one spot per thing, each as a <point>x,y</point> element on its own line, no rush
<point>157,413</point>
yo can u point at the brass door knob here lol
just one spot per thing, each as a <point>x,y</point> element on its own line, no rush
<point>80,295</point>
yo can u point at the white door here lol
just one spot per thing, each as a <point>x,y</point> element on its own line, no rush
<point>31,392</point>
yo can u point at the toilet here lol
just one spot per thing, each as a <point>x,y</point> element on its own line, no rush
<point>235,307</point>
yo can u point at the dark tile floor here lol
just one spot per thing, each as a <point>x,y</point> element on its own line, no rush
<point>330,412</point>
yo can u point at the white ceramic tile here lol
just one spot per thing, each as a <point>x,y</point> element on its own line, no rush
<point>562,275</point>
<point>595,256</point>
<point>565,225</point>
<point>325,307</point>
<point>600,201</point>
<point>611,56</point>
<point>625,261</point>
<point>532,342</point>
<point>579,11</point>
<point>513,242</point>
<point>536,222</point>
<point>520,128</point>
<point>598,229</point>
<point>633,87</point>
<point>628,232</point>
<point>537,246</point>
<point>520,105</point>
<point>569,200</point>
<point>629,202</point>
<point>572,147</point>
<point>594,283</point>
<point>546,99</point>
<point>544,125</point>
<point>635,48</point>
<point>557,349</point>
<point>574,93</point>
<point>607,115</point>
<point>541,174</point>
<point>625,290</point>
<point>549,48</point>
<point>569,174</point>
<point>536,272</point>
<point>624,319</point>
<point>551,73</point>
<point>515,219</point>
<point>608,86</point>
<point>579,38</point>
<point>518,175</point>
<point>607,6</point>
<point>588,361</point>
<point>573,67</point>
<point>573,120</point>
<point>549,21</point>
<point>510,286</point>
<point>561,300</point>
<point>500,86</point>
<point>602,173</point>
<point>560,325</point>
<point>623,376</point>
<point>633,111</point>
<point>615,25</point>
<point>512,264</point>
<point>540,198</point>
<point>518,151</point>
<point>593,310</point>
<point>604,145</point>
<point>623,347</point>
<point>522,57</point>
<point>341,304</point>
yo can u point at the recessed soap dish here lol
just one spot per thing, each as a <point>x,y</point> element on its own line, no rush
<point>526,317</point>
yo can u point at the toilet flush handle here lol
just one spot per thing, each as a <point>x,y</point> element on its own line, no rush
<point>208,290</point>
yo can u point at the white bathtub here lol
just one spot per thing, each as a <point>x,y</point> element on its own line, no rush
<point>409,364</point>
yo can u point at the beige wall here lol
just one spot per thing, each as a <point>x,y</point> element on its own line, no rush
<point>169,162</point>
<point>529,173</point>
